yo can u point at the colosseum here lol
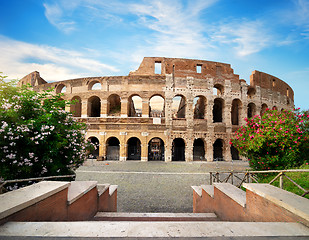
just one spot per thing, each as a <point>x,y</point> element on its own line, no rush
<point>169,109</point>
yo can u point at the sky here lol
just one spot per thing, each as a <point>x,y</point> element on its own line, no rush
<point>65,39</point>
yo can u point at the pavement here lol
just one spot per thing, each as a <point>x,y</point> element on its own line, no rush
<point>154,186</point>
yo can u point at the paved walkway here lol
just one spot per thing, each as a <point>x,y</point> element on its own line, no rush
<point>154,186</point>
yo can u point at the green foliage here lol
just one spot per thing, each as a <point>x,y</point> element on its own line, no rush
<point>277,140</point>
<point>37,137</point>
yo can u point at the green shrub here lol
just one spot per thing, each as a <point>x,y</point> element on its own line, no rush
<point>277,140</point>
<point>37,137</point>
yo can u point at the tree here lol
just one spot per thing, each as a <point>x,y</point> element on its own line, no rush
<point>37,137</point>
<point>276,140</point>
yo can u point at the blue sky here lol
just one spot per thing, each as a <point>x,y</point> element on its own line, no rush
<point>64,39</point>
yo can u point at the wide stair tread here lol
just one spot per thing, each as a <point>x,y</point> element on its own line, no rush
<point>130,216</point>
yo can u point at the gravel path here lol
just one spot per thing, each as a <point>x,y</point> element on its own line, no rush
<point>153,186</point>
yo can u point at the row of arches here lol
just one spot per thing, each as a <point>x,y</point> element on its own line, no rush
<point>157,107</point>
<point>156,149</point>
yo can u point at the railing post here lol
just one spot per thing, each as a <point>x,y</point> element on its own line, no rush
<point>281,180</point>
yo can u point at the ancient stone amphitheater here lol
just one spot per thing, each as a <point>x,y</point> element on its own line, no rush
<point>169,109</point>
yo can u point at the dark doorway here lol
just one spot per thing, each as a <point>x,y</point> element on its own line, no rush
<point>94,106</point>
<point>218,150</point>
<point>134,149</point>
<point>96,143</point>
<point>76,108</point>
<point>178,150</point>
<point>156,150</point>
<point>198,150</point>
<point>234,153</point>
<point>112,149</point>
<point>251,110</point>
<point>235,113</point>
<point>217,110</point>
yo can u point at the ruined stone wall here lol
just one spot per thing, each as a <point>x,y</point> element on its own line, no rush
<point>106,104</point>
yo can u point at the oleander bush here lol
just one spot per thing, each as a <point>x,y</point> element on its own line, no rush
<point>37,137</point>
<point>276,140</point>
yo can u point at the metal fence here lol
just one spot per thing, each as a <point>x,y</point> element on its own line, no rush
<point>237,178</point>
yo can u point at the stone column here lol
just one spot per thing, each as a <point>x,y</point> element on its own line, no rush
<point>144,147</point>
<point>168,152</point>
<point>189,149</point>
<point>123,146</point>
<point>145,108</point>
<point>209,115</point>
<point>227,156</point>
<point>124,107</point>
<point>209,153</point>
<point>102,147</point>
<point>227,114</point>
<point>103,108</point>
<point>84,108</point>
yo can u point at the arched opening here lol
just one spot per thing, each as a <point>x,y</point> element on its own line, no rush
<point>113,105</point>
<point>178,150</point>
<point>179,107</point>
<point>134,149</point>
<point>234,153</point>
<point>218,90</point>
<point>61,103</point>
<point>198,150</point>
<point>218,150</point>
<point>156,106</point>
<point>135,106</point>
<point>95,152</point>
<point>251,110</point>
<point>235,113</point>
<point>263,109</point>
<point>218,110</point>
<point>156,150</point>
<point>95,85</point>
<point>199,107</point>
<point>112,148</point>
<point>61,88</point>
<point>251,92</point>
<point>76,107</point>
<point>94,106</point>
<point>274,108</point>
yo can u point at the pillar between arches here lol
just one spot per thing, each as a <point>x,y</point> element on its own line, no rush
<point>145,108</point>
<point>124,107</point>
<point>84,108</point>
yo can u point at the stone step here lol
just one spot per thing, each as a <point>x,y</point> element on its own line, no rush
<point>122,216</point>
<point>162,230</point>
<point>233,192</point>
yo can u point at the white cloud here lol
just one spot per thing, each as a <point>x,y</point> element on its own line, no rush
<point>54,64</point>
<point>246,37</point>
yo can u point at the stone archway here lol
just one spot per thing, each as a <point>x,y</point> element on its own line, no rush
<point>218,150</point>
<point>178,150</point>
<point>198,150</point>
<point>112,148</point>
<point>156,149</point>
<point>134,149</point>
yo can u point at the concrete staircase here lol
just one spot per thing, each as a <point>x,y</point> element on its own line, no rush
<point>151,217</point>
<point>83,210</point>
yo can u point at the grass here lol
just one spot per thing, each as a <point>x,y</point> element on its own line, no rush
<point>301,178</point>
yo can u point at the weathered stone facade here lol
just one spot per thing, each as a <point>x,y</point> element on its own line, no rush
<point>211,103</point>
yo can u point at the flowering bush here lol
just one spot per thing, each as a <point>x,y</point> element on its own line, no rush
<point>277,140</point>
<point>37,137</point>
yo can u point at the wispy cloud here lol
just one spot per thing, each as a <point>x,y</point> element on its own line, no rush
<point>244,36</point>
<point>20,58</point>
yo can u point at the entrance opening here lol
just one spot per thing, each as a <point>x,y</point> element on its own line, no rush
<point>218,89</point>
<point>156,106</point>
<point>134,149</point>
<point>251,110</point>
<point>263,110</point>
<point>113,105</point>
<point>198,150</point>
<point>236,108</point>
<point>95,152</point>
<point>76,108</point>
<point>234,153</point>
<point>94,106</point>
<point>156,150</point>
<point>217,110</point>
<point>199,107</point>
<point>112,148</point>
<point>218,150</point>
<point>135,106</point>
<point>179,107</point>
<point>178,150</point>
